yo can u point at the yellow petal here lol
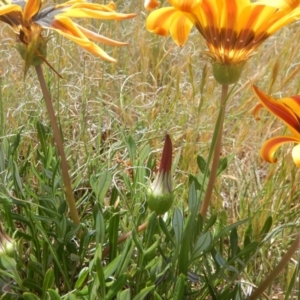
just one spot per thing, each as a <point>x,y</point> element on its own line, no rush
<point>5,9</point>
<point>296,155</point>
<point>99,38</point>
<point>168,19</point>
<point>90,10</point>
<point>31,9</point>
<point>269,148</point>
<point>67,28</point>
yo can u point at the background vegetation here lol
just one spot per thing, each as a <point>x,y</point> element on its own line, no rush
<point>113,118</point>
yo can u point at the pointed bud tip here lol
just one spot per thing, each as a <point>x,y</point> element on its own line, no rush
<point>166,159</point>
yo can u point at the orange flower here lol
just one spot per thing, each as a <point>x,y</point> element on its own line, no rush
<point>233,29</point>
<point>28,19</point>
<point>288,111</point>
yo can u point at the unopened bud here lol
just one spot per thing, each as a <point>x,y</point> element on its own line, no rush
<point>160,194</point>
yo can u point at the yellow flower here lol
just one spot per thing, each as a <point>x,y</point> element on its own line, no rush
<point>233,29</point>
<point>288,111</point>
<point>29,18</point>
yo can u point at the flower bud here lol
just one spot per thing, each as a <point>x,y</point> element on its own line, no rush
<point>6,242</point>
<point>160,196</point>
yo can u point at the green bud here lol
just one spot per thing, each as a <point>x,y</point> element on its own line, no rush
<point>227,73</point>
<point>160,197</point>
<point>6,243</point>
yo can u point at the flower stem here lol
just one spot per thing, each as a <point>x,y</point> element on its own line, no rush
<point>59,144</point>
<point>284,261</point>
<point>217,152</point>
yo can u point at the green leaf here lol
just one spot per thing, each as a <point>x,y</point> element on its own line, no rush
<point>125,257</point>
<point>101,186</point>
<point>117,285</point>
<point>179,287</point>
<point>229,228</point>
<point>48,280</point>
<point>177,223</point>
<point>267,226</point>
<point>124,295</point>
<point>112,266</point>
<point>113,234</point>
<point>8,263</point>
<point>142,294</point>
<point>193,203</point>
<point>223,163</point>
<point>99,270</point>
<point>202,244</point>
<point>53,295</point>
<point>100,227</point>
<point>234,242</point>
<point>202,165</point>
<point>30,296</point>
<point>83,275</point>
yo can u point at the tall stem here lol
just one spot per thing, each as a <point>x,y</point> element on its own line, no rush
<point>217,152</point>
<point>59,144</point>
<point>284,261</point>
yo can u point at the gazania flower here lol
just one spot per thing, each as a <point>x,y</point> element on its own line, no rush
<point>160,194</point>
<point>287,110</point>
<point>233,29</point>
<point>29,18</point>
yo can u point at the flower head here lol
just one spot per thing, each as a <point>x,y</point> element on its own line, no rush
<point>288,111</point>
<point>233,29</point>
<point>29,18</point>
<point>160,196</point>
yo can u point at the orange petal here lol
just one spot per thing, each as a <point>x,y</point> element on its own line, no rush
<point>269,148</point>
<point>256,110</point>
<point>151,4</point>
<point>280,110</point>
<point>31,9</point>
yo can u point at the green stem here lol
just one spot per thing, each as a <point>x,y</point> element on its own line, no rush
<point>59,143</point>
<point>216,157</point>
<point>284,261</point>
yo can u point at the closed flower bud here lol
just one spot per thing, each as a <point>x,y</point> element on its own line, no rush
<point>160,195</point>
<point>6,242</point>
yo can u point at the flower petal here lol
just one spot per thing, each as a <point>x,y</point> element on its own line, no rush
<point>99,38</point>
<point>280,110</point>
<point>269,148</point>
<point>296,155</point>
<point>5,9</point>
<point>91,10</point>
<point>67,28</point>
<point>31,9</point>
<point>151,4</point>
<point>168,19</point>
